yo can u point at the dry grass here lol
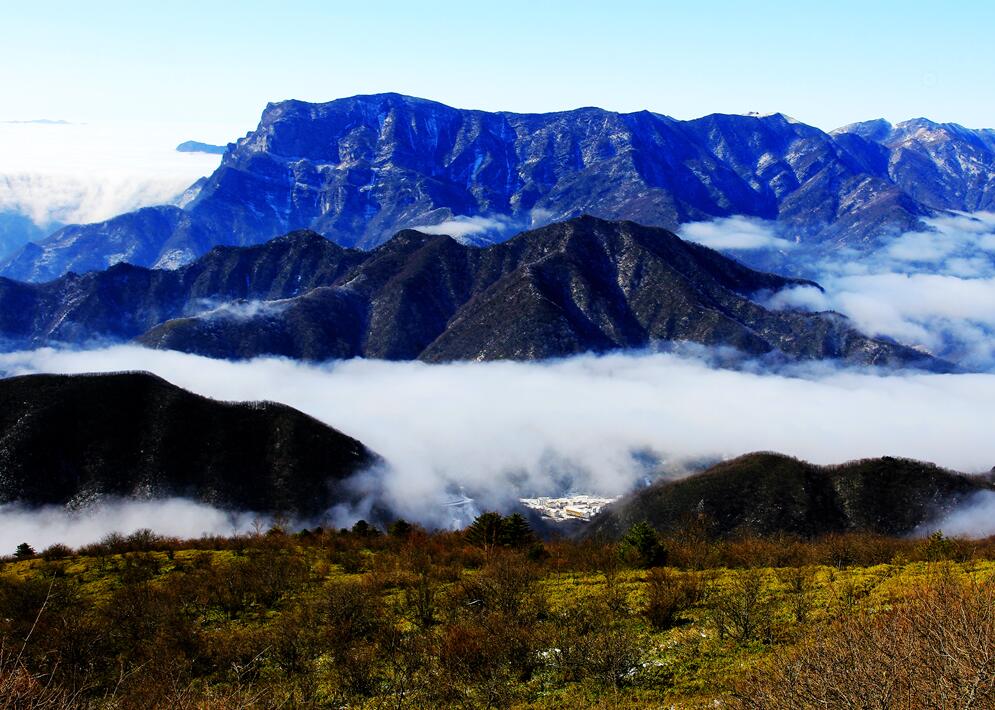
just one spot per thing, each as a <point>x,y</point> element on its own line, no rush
<point>935,649</point>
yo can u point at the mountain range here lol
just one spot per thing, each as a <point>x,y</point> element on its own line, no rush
<point>360,169</point>
<point>72,440</point>
<point>582,285</point>
<point>768,493</point>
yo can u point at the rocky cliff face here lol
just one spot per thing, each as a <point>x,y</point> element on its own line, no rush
<point>358,170</point>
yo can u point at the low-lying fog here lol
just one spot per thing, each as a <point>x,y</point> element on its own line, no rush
<point>497,431</point>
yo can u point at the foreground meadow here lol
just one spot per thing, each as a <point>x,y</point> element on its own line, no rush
<point>490,618</point>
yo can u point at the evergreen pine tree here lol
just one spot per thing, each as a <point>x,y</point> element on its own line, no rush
<point>400,528</point>
<point>516,531</point>
<point>485,531</point>
<point>642,545</point>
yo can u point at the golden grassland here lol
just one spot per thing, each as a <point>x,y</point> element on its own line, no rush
<point>337,619</point>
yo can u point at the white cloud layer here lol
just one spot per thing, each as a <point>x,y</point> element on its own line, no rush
<point>79,173</point>
<point>735,233</point>
<point>241,310</point>
<point>932,289</point>
<point>976,518</point>
<point>500,430</point>
<point>462,226</point>
<point>485,229</point>
<point>170,517</point>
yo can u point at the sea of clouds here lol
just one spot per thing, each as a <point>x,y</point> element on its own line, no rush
<point>596,424</point>
<point>603,424</point>
<point>57,173</point>
<point>933,289</point>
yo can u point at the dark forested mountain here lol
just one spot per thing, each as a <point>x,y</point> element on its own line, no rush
<point>124,300</point>
<point>582,285</point>
<point>66,440</point>
<point>766,493</point>
<point>358,170</point>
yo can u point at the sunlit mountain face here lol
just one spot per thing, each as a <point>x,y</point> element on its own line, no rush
<point>357,170</point>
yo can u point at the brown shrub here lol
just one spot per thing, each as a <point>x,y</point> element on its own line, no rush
<point>593,644</point>
<point>508,584</point>
<point>936,649</point>
<point>484,661</point>
<point>668,594</point>
<point>800,584</point>
<point>22,690</point>
<point>744,609</point>
<point>57,551</point>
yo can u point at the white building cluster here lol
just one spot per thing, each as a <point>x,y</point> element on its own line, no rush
<point>578,507</point>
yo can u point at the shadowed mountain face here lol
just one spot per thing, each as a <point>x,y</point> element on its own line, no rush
<point>124,301</point>
<point>358,170</point>
<point>67,440</point>
<point>766,494</point>
<point>578,286</point>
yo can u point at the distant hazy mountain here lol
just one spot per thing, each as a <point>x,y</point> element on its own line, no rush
<point>16,230</point>
<point>198,147</point>
<point>572,287</point>
<point>765,494</point>
<point>68,440</point>
<point>42,121</point>
<point>357,170</point>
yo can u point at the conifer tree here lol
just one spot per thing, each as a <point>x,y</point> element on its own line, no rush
<point>516,531</point>
<point>486,531</point>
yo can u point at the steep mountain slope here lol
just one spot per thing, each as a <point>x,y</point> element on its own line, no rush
<point>942,166</point>
<point>766,493</point>
<point>358,170</point>
<point>124,301</point>
<point>69,439</point>
<point>582,285</point>
<point>821,188</point>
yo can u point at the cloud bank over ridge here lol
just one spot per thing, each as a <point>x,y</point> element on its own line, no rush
<point>497,431</point>
<point>170,517</point>
<point>933,289</point>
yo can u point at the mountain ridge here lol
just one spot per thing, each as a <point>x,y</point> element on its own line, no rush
<point>766,493</point>
<point>358,170</point>
<point>72,439</point>
<point>585,285</point>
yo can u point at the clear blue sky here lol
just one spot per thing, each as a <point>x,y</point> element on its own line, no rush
<point>826,63</point>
